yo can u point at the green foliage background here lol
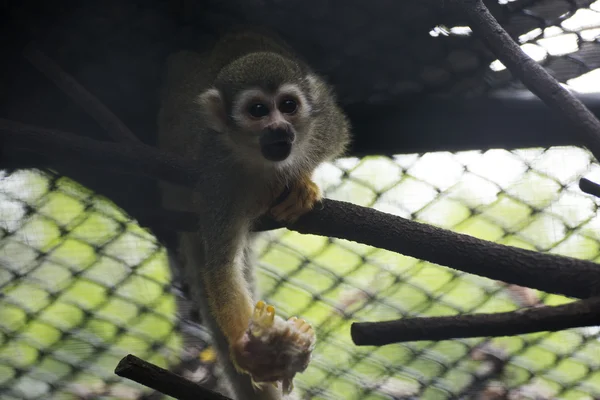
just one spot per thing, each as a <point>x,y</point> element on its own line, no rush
<point>82,284</point>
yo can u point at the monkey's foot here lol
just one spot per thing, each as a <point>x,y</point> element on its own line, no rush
<point>273,349</point>
<point>303,196</point>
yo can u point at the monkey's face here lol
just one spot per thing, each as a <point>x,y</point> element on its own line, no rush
<point>265,125</point>
<point>272,123</point>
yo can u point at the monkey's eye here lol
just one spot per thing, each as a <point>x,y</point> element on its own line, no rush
<point>288,106</point>
<point>258,110</point>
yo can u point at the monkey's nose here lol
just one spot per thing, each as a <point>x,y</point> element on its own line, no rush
<point>276,143</point>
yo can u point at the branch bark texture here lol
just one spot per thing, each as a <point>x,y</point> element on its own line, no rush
<point>166,382</point>
<point>573,315</point>
<point>532,74</point>
<point>550,273</point>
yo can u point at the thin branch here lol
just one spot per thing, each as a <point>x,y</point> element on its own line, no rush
<point>64,148</point>
<point>532,74</point>
<point>166,382</point>
<point>542,319</point>
<point>546,272</point>
<point>589,187</point>
<point>103,116</point>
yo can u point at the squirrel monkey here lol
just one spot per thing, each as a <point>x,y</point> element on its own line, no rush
<point>257,121</point>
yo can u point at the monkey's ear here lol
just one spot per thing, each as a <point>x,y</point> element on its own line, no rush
<point>213,109</point>
<point>317,87</point>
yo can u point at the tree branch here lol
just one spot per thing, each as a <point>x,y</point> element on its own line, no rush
<point>542,319</point>
<point>64,148</point>
<point>103,116</point>
<point>550,273</point>
<point>532,74</point>
<point>547,272</point>
<point>589,187</point>
<point>166,382</point>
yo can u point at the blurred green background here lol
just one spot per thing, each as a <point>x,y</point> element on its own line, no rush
<point>82,285</point>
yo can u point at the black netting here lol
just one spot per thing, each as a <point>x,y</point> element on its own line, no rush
<point>566,45</point>
<point>82,285</point>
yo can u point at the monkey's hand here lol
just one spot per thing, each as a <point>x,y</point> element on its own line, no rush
<point>303,196</point>
<point>273,349</point>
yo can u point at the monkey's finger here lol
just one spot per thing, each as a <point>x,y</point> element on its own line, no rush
<point>258,309</point>
<point>283,211</point>
<point>270,314</point>
<point>290,216</point>
<point>289,201</point>
<point>293,197</point>
<point>281,197</point>
<point>293,214</point>
<point>298,323</point>
<point>319,205</point>
<point>297,205</point>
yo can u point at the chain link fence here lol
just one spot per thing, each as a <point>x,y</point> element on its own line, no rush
<point>82,285</point>
<point>566,45</point>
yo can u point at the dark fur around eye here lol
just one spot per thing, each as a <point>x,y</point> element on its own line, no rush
<point>288,106</point>
<point>258,110</point>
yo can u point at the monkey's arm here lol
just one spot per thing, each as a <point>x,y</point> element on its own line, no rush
<point>302,197</point>
<point>192,250</point>
<point>228,294</point>
<point>266,347</point>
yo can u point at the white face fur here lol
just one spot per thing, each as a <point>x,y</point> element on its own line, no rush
<point>256,109</point>
<point>267,127</point>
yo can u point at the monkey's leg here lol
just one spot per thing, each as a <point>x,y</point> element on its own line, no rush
<point>229,297</point>
<point>303,196</point>
<point>262,345</point>
<point>266,347</point>
<point>193,249</point>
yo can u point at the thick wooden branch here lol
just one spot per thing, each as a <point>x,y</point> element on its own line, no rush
<point>68,148</point>
<point>550,273</point>
<point>166,382</point>
<point>542,319</point>
<point>547,272</point>
<point>532,74</point>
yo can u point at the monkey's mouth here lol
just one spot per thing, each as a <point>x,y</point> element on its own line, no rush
<point>276,144</point>
<point>277,151</point>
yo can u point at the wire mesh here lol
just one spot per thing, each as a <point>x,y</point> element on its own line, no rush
<point>566,45</point>
<point>82,284</point>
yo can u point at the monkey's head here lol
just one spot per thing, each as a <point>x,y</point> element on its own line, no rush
<point>264,103</point>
